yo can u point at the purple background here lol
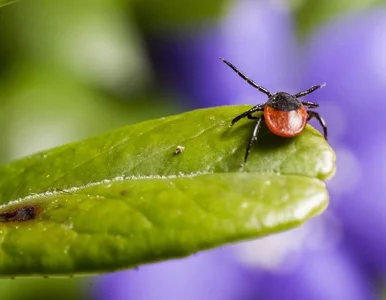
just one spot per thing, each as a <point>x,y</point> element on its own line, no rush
<point>339,255</point>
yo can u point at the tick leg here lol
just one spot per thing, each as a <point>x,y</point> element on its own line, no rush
<point>253,138</point>
<point>250,117</point>
<point>250,81</point>
<point>310,90</point>
<point>313,114</point>
<point>310,104</point>
<point>248,113</point>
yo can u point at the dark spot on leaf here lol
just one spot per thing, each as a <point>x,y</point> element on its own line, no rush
<point>23,213</point>
<point>124,192</point>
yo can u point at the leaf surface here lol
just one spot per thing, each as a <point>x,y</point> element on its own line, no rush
<point>125,197</point>
<point>7,2</point>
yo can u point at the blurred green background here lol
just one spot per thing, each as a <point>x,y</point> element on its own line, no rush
<point>72,69</point>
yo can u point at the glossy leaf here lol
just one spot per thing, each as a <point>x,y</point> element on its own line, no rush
<point>126,198</point>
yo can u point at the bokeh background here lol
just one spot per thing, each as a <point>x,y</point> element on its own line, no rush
<point>72,69</point>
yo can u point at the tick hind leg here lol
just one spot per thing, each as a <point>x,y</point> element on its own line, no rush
<point>248,114</point>
<point>253,137</point>
<point>313,114</point>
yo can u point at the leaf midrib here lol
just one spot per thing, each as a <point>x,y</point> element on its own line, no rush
<point>75,189</point>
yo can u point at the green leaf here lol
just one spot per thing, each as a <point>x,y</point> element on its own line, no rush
<point>39,289</point>
<point>310,15</point>
<point>126,198</point>
<point>7,2</point>
<point>155,15</point>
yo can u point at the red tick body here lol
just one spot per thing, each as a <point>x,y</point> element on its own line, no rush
<point>283,113</point>
<point>285,117</point>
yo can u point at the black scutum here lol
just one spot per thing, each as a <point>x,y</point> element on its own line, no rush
<point>283,102</point>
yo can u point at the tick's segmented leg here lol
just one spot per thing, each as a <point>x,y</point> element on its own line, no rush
<point>250,81</point>
<point>253,137</point>
<point>313,114</point>
<point>248,113</point>
<point>310,104</point>
<point>250,117</point>
<point>310,90</point>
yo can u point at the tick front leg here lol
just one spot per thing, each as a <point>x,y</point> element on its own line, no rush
<point>250,81</point>
<point>248,113</point>
<point>310,104</point>
<point>310,90</point>
<point>313,114</point>
<point>253,137</point>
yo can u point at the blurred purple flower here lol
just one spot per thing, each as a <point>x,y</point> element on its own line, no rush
<point>255,36</point>
<point>321,275</point>
<point>208,275</point>
<point>323,259</point>
<point>354,63</point>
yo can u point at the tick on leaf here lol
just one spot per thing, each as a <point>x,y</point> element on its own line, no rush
<point>283,113</point>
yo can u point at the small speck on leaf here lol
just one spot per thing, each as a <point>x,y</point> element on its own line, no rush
<point>180,149</point>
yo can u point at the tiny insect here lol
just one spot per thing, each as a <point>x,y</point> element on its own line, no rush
<point>179,149</point>
<point>283,113</point>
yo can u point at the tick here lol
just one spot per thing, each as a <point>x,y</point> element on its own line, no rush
<point>283,113</point>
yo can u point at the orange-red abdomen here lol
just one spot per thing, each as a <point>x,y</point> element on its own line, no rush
<point>285,123</point>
